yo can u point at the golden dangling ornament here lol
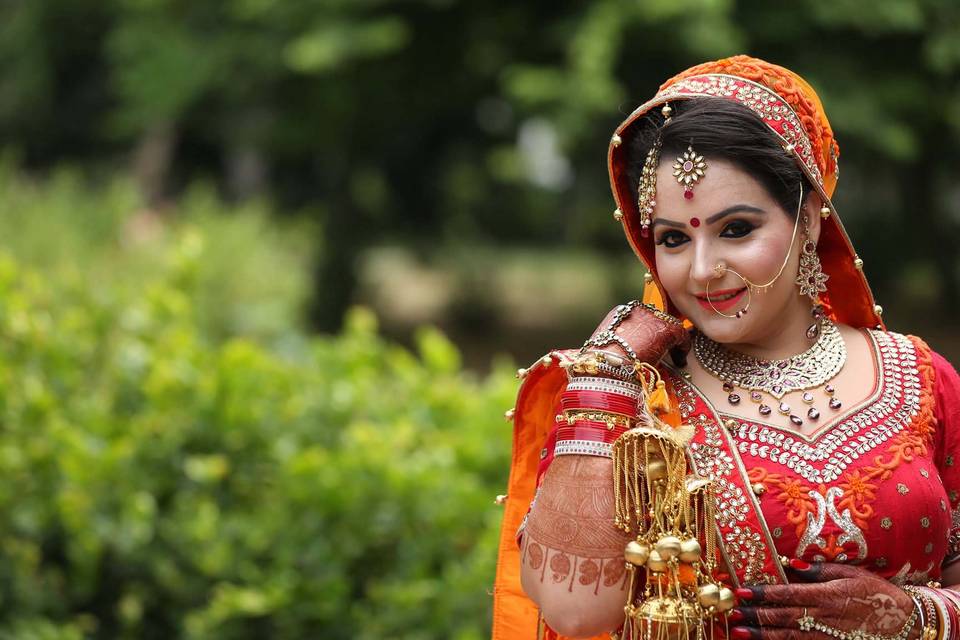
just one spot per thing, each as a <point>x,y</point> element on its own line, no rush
<point>671,515</point>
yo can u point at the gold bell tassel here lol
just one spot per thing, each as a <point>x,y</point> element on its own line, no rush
<point>670,515</point>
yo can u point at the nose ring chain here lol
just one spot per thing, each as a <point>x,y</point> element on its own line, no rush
<point>721,268</point>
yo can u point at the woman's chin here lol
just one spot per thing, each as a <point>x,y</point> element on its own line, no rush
<point>719,328</point>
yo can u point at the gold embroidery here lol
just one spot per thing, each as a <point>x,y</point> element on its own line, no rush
<point>759,99</point>
<point>744,546</point>
<point>886,523</point>
<point>906,576</point>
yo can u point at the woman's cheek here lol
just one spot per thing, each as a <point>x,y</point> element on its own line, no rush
<point>673,270</point>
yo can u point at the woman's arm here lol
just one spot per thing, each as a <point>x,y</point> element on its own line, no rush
<point>572,554</point>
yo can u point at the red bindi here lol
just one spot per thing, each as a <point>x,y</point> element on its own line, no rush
<point>694,222</point>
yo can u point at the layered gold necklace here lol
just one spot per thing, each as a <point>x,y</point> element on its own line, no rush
<point>804,372</point>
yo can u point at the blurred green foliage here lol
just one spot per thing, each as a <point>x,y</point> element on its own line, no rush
<point>176,469</point>
<point>426,122</point>
<point>249,269</point>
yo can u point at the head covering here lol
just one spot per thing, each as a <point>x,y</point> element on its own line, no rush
<point>792,111</point>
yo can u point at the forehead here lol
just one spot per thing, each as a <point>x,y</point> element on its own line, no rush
<point>722,184</point>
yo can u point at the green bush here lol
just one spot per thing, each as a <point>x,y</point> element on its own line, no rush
<point>162,479</point>
<point>254,276</point>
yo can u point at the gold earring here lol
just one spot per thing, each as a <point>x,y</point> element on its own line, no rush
<point>811,279</point>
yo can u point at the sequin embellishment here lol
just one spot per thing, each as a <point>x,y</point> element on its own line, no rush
<point>823,459</point>
<point>815,524</point>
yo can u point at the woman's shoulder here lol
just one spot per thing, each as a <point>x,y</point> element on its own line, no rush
<point>946,381</point>
<point>900,349</point>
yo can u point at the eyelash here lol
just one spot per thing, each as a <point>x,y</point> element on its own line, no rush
<point>737,229</point>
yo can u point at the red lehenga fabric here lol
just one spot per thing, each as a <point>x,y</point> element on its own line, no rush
<point>877,486</point>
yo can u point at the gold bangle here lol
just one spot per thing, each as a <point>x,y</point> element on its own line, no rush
<point>611,419</point>
<point>931,627</point>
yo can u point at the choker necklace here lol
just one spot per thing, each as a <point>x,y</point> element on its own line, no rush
<point>813,368</point>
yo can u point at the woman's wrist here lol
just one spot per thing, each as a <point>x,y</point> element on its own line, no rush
<point>941,608</point>
<point>606,363</point>
<point>595,411</point>
<point>929,619</point>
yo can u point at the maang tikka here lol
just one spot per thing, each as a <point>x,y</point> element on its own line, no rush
<point>811,279</point>
<point>688,168</point>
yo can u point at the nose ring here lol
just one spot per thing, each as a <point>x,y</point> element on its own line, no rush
<point>720,269</point>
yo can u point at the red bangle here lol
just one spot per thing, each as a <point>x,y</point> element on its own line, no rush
<point>953,608</point>
<point>610,420</point>
<point>599,401</point>
<point>592,431</point>
<point>603,396</point>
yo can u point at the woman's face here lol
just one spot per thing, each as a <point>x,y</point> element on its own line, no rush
<point>734,221</point>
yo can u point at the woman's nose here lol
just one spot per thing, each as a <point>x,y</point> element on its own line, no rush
<point>704,266</point>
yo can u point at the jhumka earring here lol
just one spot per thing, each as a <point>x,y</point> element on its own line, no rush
<point>688,169</point>
<point>647,189</point>
<point>811,279</point>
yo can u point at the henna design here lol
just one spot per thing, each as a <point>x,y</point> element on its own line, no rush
<point>575,508</point>
<point>560,565</point>
<point>589,572</point>
<point>649,336</point>
<point>570,527</point>
<point>535,553</point>
<point>883,614</point>
<point>613,572</point>
<point>843,597</point>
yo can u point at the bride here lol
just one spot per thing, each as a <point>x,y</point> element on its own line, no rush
<point>828,443</point>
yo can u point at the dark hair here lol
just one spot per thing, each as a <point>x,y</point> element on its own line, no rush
<point>720,128</point>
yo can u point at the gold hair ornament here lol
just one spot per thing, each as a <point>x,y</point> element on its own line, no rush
<point>647,188</point>
<point>688,168</point>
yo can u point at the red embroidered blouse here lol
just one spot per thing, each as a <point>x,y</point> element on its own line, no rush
<point>879,487</point>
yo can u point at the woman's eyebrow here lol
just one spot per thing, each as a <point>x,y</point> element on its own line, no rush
<point>667,223</point>
<point>737,208</point>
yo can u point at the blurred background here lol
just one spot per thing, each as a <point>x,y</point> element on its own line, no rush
<point>267,268</point>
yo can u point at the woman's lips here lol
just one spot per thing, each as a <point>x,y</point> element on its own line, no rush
<point>721,300</point>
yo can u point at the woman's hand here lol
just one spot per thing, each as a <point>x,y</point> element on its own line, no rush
<point>840,596</point>
<point>649,333</point>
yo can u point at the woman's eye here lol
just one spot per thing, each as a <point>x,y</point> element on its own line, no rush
<point>737,229</point>
<point>672,239</point>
